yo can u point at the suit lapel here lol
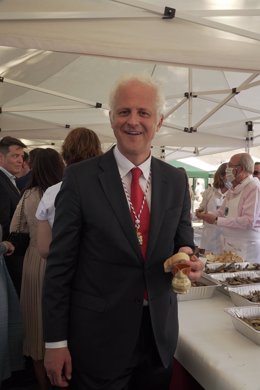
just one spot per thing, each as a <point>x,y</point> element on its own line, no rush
<point>159,189</point>
<point>8,182</point>
<point>113,189</point>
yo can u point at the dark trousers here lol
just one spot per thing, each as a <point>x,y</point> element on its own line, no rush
<point>145,371</point>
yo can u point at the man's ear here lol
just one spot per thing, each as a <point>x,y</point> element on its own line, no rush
<point>159,125</point>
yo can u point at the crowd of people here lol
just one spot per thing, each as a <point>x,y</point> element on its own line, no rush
<point>91,303</point>
<point>238,217</point>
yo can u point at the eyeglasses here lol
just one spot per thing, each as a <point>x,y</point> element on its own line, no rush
<point>256,173</point>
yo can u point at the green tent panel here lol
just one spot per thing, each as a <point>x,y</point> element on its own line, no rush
<point>192,171</point>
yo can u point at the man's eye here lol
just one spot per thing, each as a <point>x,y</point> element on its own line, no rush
<point>123,112</point>
<point>144,114</point>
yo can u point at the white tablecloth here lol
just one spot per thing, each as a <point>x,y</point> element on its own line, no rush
<point>212,350</point>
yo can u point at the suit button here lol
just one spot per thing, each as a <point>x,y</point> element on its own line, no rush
<point>138,301</point>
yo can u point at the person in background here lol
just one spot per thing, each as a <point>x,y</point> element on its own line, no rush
<point>256,172</point>
<point>11,162</point>
<point>212,199</point>
<point>239,215</point>
<point>199,189</point>
<point>24,171</point>
<point>11,329</point>
<point>110,314</point>
<point>24,180</point>
<point>80,144</point>
<point>47,170</point>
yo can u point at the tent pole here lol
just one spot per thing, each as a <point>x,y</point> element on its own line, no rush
<point>49,92</point>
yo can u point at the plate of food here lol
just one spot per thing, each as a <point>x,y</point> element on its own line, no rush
<point>226,257</point>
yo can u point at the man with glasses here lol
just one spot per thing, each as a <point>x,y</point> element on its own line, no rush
<point>239,215</point>
<point>256,172</point>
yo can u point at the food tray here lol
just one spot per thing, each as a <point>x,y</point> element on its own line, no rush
<point>200,292</point>
<point>222,277</point>
<point>210,268</point>
<point>236,294</point>
<point>247,330</point>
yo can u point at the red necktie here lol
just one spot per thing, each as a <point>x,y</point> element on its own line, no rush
<point>141,215</point>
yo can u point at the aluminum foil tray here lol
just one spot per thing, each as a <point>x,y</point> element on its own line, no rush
<point>249,312</point>
<point>237,294</point>
<point>210,268</point>
<point>200,292</point>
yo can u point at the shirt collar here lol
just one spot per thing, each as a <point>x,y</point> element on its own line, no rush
<point>124,165</point>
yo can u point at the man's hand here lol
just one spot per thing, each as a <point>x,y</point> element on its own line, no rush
<point>9,248</point>
<point>57,362</point>
<point>196,265</point>
<point>207,217</point>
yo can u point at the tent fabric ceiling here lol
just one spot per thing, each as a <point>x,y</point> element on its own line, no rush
<point>137,30</point>
<point>57,65</point>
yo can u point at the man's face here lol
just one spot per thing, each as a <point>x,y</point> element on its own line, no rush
<point>13,160</point>
<point>236,169</point>
<point>135,120</point>
<point>257,171</point>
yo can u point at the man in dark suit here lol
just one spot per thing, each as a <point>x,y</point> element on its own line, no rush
<point>11,161</point>
<point>110,315</point>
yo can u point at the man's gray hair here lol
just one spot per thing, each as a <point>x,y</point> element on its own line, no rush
<point>145,79</point>
<point>246,162</point>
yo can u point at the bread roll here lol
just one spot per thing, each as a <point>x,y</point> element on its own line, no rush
<point>177,258</point>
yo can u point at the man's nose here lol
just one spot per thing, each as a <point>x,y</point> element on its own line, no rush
<point>133,118</point>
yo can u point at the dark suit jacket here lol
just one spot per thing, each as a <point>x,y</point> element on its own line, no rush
<point>96,276</point>
<point>9,198</point>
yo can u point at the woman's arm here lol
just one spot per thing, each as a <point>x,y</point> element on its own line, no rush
<point>44,237</point>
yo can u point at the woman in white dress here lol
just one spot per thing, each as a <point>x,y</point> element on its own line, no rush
<point>80,144</point>
<point>212,199</point>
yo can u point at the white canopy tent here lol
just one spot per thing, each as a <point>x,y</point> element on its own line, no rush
<point>57,68</point>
